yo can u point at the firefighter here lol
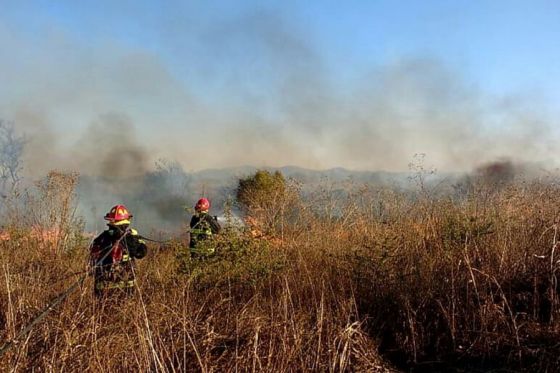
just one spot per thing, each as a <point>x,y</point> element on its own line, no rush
<point>203,226</point>
<point>113,252</point>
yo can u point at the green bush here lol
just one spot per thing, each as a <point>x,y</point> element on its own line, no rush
<point>239,260</point>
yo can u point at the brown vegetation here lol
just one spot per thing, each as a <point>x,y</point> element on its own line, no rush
<point>419,278</point>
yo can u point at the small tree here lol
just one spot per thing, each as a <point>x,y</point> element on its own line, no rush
<point>53,207</point>
<point>265,197</point>
<point>11,150</point>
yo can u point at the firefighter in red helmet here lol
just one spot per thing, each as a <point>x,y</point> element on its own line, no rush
<point>203,226</point>
<point>113,252</point>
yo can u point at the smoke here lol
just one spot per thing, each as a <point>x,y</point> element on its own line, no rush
<point>496,173</point>
<point>261,94</point>
<point>110,147</point>
<point>252,89</point>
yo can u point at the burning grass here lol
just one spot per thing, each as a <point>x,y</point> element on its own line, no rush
<point>342,280</point>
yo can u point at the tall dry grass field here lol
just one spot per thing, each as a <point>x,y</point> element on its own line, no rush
<point>368,280</point>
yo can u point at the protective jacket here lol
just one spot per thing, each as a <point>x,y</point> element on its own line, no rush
<point>112,255</point>
<point>203,226</point>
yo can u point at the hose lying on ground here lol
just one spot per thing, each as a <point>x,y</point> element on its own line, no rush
<point>52,305</point>
<point>42,315</point>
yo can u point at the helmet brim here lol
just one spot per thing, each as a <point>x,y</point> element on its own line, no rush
<point>120,222</point>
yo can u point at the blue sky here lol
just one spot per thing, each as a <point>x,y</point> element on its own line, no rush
<point>501,45</point>
<point>270,63</point>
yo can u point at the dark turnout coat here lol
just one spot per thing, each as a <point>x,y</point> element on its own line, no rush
<point>203,226</point>
<point>112,254</point>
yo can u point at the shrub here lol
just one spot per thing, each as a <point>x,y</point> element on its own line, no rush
<point>267,199</point>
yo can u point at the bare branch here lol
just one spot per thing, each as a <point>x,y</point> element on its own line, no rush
<point>11,165</point>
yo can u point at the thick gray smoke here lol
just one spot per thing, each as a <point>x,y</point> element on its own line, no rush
<point>110,147</point>
<point>261,95</point>
<point>249,90</point>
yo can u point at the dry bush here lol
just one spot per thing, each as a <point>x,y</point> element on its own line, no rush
<point>245,320</point>
<point>469,281</point>
<point>459,279</point>
<point>51,211</point>
<point>268,200</point>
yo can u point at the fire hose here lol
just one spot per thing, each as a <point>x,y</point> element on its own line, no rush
<point>59,298</point>
<point>42,315</point>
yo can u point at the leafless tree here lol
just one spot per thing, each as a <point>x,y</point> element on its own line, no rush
<point>11,165</point>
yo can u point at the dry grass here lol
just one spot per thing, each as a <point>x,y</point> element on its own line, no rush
<point>421,279</point>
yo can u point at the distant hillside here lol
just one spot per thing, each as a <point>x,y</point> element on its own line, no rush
<point>226,176</point>
<point>161,199</point>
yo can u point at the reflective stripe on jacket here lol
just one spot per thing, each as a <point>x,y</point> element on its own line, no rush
<point>206,232</point>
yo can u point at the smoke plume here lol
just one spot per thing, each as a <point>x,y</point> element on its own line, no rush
<point>110,147</point>
<point>275,104</point>
<point>252,89</point>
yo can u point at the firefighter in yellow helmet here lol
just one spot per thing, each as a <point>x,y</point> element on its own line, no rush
<point>113,252</point>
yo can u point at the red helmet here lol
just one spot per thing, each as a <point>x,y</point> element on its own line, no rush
<point>203,204</point>
<point>118,215</point>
